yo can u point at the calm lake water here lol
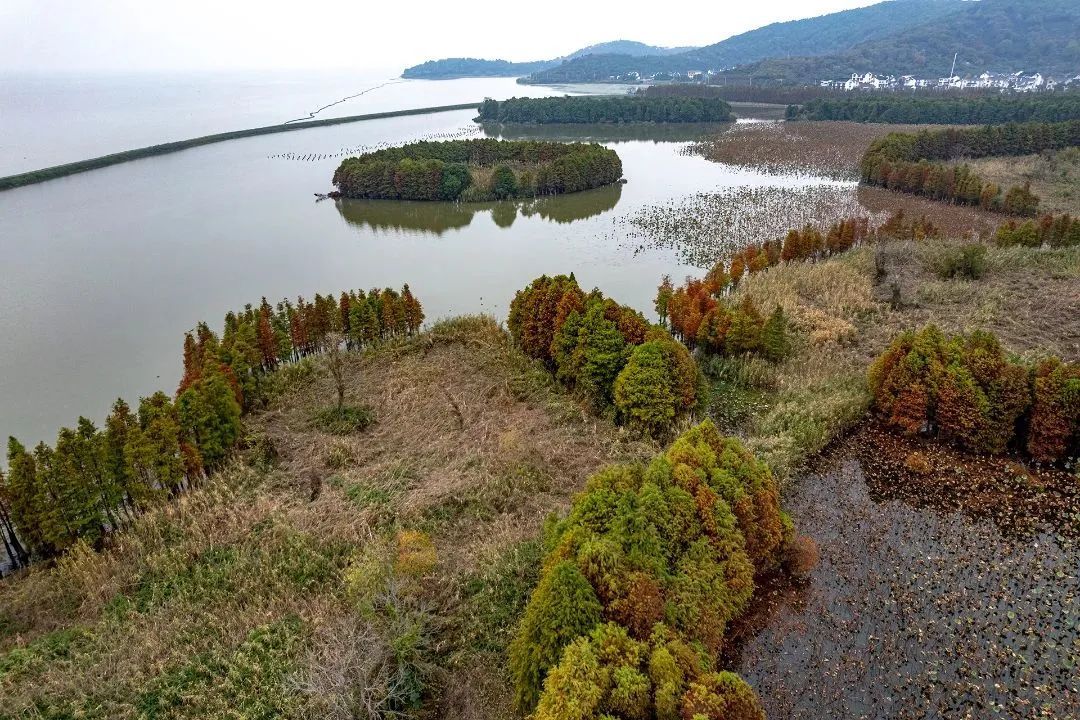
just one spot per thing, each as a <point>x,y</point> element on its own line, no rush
<point>49,119</point>
<point>104,271</point>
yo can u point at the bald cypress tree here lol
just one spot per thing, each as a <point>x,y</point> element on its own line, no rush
<point>26,503</point>
<point>16,552</point>
<point>209,416</point>
<point>119,427</point>
<point>267,341</point>
<point>153,447</point>
<point>413,310</point>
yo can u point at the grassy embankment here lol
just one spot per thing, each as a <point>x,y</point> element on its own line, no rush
<point>846,309</point>
<point>58,171</point>
<point>1054,177</point>
<point>244,598</point>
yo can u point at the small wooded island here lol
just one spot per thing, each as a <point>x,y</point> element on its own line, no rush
<point>637,108</point>
<point>477,170</point>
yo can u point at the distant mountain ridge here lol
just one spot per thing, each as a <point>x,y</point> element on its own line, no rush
<point>823,35</point>
<point>994,35</point>
<point>476,67</point>
<point>897,37</point>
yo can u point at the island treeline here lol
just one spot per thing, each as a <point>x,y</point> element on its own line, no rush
<point>921,163</point>
<point>922,110</point>
<point>94,481</point>
<point>660,108</point>
<point>474,170</point>
<point>448,68</point>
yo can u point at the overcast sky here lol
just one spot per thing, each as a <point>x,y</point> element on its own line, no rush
<point>92,35</point>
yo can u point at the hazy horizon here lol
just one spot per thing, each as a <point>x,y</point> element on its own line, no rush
<point>128,36</point>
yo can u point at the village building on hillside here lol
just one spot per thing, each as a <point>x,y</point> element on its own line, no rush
<point>1005,82</point>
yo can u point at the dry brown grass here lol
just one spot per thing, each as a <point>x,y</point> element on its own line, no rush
<point>1054,177</point>
<point>955,221</point>
<point>844,317</point>
<point>473,443</point>
<point>464,426</point>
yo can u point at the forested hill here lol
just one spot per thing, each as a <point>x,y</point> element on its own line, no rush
<point>472,67</point>
<point>475,67</point>
<point>996,35</point>
<point>822,35</point>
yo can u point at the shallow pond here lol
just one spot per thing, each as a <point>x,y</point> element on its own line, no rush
<point>915,613</point>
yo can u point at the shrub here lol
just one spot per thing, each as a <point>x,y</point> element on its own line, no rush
<point>658,384</point>
<point>503,183</point>
<point>1055,415</point>
<point>416,555</point>
<point>605,351</point>
<point>563,607</point>
<point>721,696</point>
<point>344,420</point>
<point>396,669</point>
<point>775,343</point>
<point>967,262</point>
<point>609,674</point>
<point>669,552</point>
<point>967,392</point>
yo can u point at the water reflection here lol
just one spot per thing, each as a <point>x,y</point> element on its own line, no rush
<point>437,218</point>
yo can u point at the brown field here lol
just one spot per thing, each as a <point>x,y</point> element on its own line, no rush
<point>954,220</point>
<point>1054,177</point>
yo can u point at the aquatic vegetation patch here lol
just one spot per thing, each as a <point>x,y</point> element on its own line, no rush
<point>707,227</point>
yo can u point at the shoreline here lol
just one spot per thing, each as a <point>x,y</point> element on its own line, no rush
<point>33,177</point>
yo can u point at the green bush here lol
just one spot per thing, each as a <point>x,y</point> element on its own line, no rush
<point>562,607</point>
<point>967,262</point>
<point>669,553</point>
<point>607,352</point>
<point>344,420</point>
<point>503,183</point>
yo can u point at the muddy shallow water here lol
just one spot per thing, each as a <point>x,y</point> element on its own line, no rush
<point>915,613</point>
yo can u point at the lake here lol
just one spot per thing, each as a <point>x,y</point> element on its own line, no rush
<point>104,271</point>
<point>49,119</point>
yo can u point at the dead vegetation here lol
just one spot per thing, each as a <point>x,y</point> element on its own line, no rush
<point>832,149</point>
<point>1054,176</point>
<point>471,439</point>
<point>252,577</point>
<point>955,221</point>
